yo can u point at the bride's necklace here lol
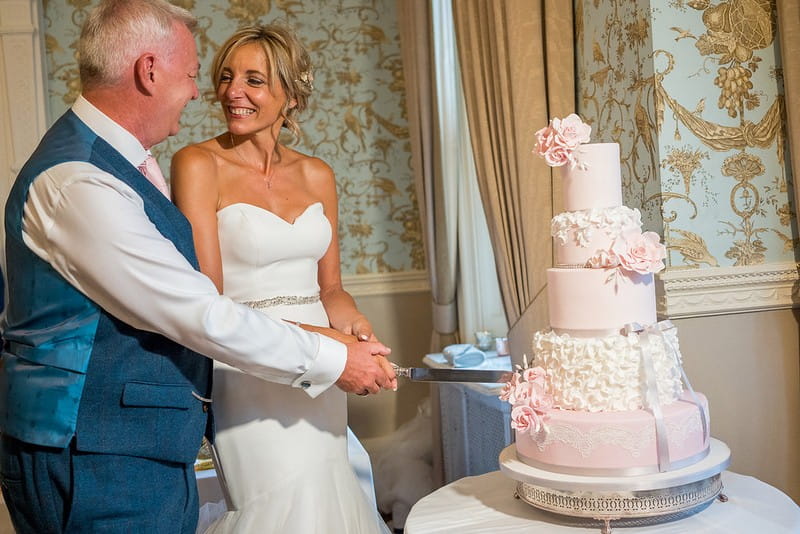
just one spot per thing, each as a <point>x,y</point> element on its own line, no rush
<point>267,175</point>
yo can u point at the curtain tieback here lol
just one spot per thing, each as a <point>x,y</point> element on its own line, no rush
<point>445,318</point>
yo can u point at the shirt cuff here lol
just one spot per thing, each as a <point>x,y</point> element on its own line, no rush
<point>328,367</point>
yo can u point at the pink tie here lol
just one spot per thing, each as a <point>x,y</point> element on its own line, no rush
<point>152,172</point>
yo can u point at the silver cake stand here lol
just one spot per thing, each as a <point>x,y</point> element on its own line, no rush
<point>620,501</point>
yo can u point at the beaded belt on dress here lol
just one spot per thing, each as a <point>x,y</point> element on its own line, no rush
<point>283,300</point>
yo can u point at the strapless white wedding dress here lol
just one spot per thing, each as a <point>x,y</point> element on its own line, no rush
<point>283,455</point>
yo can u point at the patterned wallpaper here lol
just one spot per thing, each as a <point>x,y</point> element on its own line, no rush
<point>691,89</point>
<point>356,119</point>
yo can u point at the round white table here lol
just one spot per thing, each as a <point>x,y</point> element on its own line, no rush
<point>486,504</point>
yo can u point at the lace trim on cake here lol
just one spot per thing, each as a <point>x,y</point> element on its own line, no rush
<point>587,442</point>
<point>680,432</point>
<point>634,442</point>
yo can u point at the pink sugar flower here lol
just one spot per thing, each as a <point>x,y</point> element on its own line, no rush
<point>573,130</point>
<point>526,391</point>
<point>556,156</point>
<point>509,389</point>
<point>534,395</point>
<point>523,393</point>
<point>603,259</point>
<point>539,399</point>
<point>557,141</point>
<point>535,375</point>
<point>524,419</point>
<point>640,252</point>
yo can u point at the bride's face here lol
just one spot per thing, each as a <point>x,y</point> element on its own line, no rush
<point>249,101</point>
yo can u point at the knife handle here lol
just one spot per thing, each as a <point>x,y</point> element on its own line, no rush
<point>404,372</point>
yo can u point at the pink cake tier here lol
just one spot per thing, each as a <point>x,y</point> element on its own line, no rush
<point>579,235</point>
<point>615,443</point>
<point>599,299</point>
<point>595,182</point>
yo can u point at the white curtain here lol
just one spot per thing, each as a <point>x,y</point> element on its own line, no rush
<point>480,306</point>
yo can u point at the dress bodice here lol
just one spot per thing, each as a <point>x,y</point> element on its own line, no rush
<point>265,256</point>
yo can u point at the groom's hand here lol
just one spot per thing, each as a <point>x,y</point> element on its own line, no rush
<point>363,372</point>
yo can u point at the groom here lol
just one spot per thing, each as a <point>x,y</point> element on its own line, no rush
<point>104,394</point>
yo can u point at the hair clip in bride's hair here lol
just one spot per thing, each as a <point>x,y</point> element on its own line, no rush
<point>306,78</point>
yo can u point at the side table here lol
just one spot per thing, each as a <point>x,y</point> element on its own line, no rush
<point>475,425</point>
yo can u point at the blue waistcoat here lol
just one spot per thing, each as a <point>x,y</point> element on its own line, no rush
<point>70,369</point>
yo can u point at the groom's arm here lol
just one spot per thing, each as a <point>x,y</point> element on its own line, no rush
<point>92,229</point>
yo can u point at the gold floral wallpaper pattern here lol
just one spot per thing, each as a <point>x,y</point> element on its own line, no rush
<point>691,89</point>
<point>356,119</point>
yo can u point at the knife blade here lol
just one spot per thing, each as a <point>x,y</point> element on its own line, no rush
<point>427,374</point>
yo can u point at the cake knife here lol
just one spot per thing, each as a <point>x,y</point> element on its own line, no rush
<point>427,374</point>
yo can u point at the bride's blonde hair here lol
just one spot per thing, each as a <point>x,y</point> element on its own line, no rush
<point>288,62</point>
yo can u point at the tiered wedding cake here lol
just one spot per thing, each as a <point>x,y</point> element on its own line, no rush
<point>605,394</point>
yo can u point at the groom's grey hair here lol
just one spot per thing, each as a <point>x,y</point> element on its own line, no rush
<point>116,32</point>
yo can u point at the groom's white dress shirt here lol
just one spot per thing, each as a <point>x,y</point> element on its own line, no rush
<point>92,229</point>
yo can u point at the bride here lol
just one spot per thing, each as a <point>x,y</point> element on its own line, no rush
<point>264,218</point>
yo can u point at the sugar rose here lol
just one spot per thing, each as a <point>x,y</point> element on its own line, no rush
<point>540,400</point>
<point>508,393</point>
<point>573,130</point>
<point>557,141</point>
<point>556,156</point>
<point>640,252</point>
<point>525,419</point>
<point>535,375</point>
<point>603,259</point>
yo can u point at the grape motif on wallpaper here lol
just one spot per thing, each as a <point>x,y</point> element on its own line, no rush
<point>631,105</point>
<point>734,31</point>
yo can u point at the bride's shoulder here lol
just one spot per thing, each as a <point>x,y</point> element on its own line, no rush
<point>205,157</point>
<point>195,166</point>
<point>203,153</point>
<point>311,168</point>
<point>317,178</point>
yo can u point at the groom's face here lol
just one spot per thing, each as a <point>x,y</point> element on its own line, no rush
<point>181,72</point>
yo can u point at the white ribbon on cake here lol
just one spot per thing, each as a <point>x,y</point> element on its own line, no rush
<point>647,335</point>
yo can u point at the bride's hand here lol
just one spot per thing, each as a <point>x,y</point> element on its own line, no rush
<point>362,329</point>
<point>389,370</point>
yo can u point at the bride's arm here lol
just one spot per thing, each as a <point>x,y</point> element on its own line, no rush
<point>325,331</point>
<point>195,191</point>
<point>339,304</point>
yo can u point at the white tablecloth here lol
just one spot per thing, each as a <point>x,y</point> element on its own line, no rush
<point>486,504</point>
